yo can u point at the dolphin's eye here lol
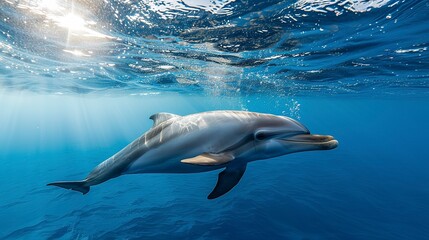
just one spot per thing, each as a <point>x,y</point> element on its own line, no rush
<point>261,135</point>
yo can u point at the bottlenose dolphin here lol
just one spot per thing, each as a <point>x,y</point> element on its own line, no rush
<point>204,142</point>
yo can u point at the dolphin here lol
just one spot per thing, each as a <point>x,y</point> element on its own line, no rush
<point>204,142</point>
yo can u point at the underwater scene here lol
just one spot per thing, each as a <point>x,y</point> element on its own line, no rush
<point>214,119</point>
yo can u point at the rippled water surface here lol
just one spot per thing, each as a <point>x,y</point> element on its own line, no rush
<point>79,80</point>
<point>217,47</point>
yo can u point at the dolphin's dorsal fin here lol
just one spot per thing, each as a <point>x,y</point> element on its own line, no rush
<point>210,159</point>
<point>161,117</point>
<point>227,179</point>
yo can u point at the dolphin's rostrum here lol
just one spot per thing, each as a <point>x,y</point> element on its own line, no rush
<point>204,142</point>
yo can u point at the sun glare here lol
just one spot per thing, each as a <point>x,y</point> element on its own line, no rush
<point>77,53</point>
<point>76,27</point>
<point>72,22</point>
<point>51,5</point>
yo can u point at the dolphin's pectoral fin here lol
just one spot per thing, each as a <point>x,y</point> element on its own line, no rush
<point>77,186</point>
<point>210,159</point>
<point>227,179</point>
<point>161,117</point>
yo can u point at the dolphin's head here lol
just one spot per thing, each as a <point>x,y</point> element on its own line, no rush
<point>277,135</point>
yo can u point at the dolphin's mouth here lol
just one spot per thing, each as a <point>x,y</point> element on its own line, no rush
<point>323,141</point>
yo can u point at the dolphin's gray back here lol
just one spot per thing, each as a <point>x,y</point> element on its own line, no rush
<point>179,126</point>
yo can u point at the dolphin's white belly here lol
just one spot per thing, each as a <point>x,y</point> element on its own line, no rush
<point>167,166</point>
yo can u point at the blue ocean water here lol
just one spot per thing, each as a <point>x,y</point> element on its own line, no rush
<point>79,80</point>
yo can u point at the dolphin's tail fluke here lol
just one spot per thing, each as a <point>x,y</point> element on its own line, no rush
<point>77,186</point>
